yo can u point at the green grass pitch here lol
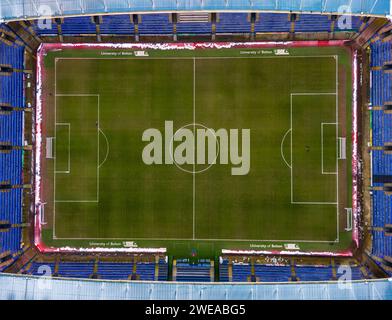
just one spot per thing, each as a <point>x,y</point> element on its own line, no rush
<point>99,191</point>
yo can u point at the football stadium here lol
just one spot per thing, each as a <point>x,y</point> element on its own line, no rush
<point>196,149</point>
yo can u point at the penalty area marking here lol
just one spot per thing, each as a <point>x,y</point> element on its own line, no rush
<point>98,164</point>
<point>291,150</point>
<point>336,203</point>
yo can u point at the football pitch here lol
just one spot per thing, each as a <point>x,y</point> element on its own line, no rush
<point>198,150</point>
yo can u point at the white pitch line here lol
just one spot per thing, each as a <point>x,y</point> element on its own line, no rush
<point>194,154</point>
<point>55,144</point>
<point>93,201</point>
<point>315,202</point>
<point>313,93</point>
<point>76,95</point>
<point>187,239</point>
<point>194,59</point>
<point>107,149</point>
<point>98,128</point>
<point>322,147</point>
<point>291,148</point>
<point>98,131</point>
<point>337,144</point>
<point>199,58</point>
<point>281,148</point>
<point>291,125</point>
<point>69,146</point>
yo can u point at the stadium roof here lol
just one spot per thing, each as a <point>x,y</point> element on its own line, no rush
<point>31,288</point>
<point>24,9</point>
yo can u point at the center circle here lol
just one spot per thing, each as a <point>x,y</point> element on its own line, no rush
<point>194,125</point>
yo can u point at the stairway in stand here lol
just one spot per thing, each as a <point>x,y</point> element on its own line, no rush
<point>193,17</point>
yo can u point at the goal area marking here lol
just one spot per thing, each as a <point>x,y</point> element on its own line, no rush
<point>68,126</point>
<point>322,147</point>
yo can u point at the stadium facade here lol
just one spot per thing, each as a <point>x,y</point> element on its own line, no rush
<point>279,274</point>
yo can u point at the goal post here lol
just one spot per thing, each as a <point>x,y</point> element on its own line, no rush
<point>342,148</point>
<point>349,214</point>
<point>49,148</point>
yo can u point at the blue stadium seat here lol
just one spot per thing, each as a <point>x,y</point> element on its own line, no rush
<point>313,273</point>
<point>224,271</point>
<point>11,133</point>
<point>241,272</point>
<point>228,22</point>
<point>157,23</point>
<point>272,22</point>
<point>233,23</point>
<point>312,23</point>
<point>42,268</point>
<point>113,271</point>
<point>194,28</point>
<point>272,273</point>
<point>146,271</point>
<point>46,28</point>
<point>163,270</point>
<point>78,25</point>
<point>125,270</point>
<point>76,269</point>
<point>117,24</point>
<point>193,272</point>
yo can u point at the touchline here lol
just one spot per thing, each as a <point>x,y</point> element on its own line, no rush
<point>195,144</point>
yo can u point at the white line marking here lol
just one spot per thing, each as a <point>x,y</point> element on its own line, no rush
<point>281,148</point>
<point>291,147</point>
<point>98,131</point>
<point>94,201</point>
<point>98,128</point>
<point>69,147</point>
<point>107,149</point>
<point>196,239</point>
<point>76,95</point>
<point>194,154</point>
<point>313,93</point>
<point>314,202</point>
<point>292,160</point>
<point>55,141</point>
<point>337,145</point>
<point>322,147</point>
<point>196,58</point>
